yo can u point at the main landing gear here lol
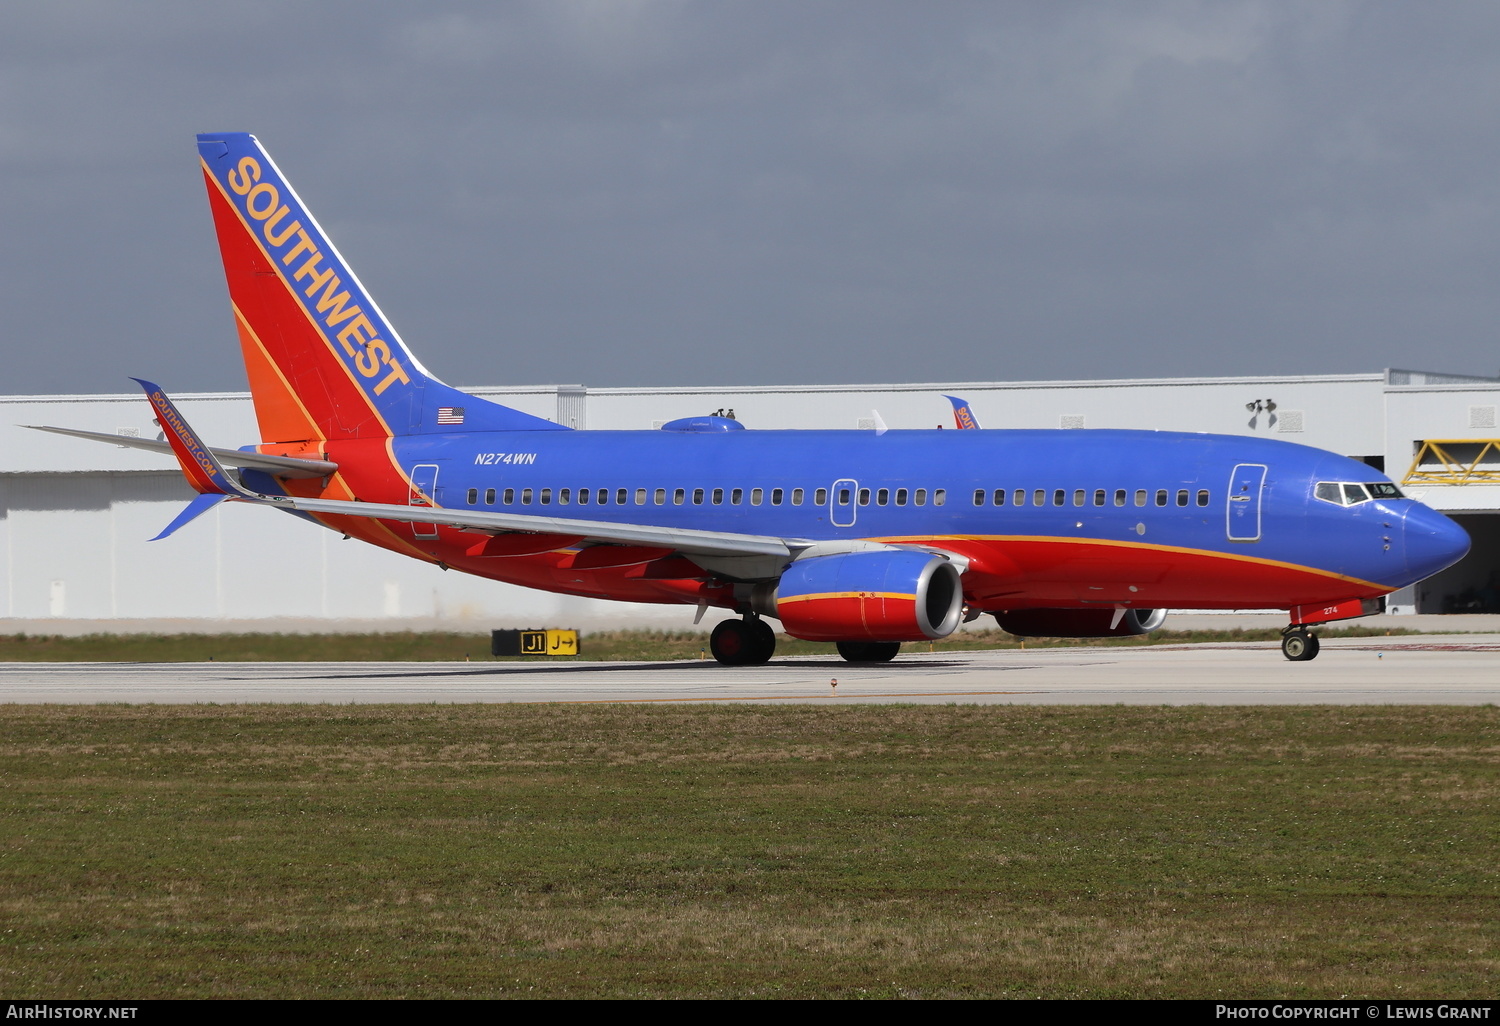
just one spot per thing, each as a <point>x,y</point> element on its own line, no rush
<point>746,642</point>
<point>1298,645</point>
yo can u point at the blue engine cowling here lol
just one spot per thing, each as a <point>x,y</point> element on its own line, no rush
<point>875,596</point>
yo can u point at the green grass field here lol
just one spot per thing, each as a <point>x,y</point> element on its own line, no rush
<point>422,647</point>
<point>871,851</point>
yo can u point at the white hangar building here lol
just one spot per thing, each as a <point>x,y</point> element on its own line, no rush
<point>75,515</point>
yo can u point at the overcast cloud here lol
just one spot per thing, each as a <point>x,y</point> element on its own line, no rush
<point>623,193</point>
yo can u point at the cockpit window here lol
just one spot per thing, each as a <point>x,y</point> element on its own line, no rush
<point>1347,493</point>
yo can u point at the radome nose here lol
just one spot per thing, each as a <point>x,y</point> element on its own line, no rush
<point>1433,542</point>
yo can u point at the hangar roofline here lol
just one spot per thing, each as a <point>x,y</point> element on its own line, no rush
<point>1394,377</point>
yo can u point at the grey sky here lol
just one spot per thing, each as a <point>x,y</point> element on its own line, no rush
<point>620,193</point>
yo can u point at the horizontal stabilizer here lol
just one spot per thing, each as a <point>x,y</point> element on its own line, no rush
<point>195,509</point>
<point>280,466</point>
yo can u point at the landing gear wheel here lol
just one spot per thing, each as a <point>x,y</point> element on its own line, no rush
<point>868,651</point>
<point>765,641</point>
<point>742,642</point>
<point>1299,646</point>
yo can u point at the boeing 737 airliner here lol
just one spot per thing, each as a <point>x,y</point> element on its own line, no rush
<point>867,539</point>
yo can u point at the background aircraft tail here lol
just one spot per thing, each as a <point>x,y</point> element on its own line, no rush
<point>963,416</point>
<point>323,361</point>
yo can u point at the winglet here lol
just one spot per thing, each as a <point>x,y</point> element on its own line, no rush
<point>201,467</point>
<point>962,415</point>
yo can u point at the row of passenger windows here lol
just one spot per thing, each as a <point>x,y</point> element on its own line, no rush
<point>1059,497</point>
<point>846,496</point>
<point>715,496</point>
<point>643,496</point>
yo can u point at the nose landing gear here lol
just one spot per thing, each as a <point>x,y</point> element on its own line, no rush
<point>1298,645</point>
<point>746,642</point>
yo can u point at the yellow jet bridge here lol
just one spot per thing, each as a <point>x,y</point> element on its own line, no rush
<point>1455,461</point>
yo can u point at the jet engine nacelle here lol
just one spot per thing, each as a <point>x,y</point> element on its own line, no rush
<point>1079,623</point>
<point>889,595</point>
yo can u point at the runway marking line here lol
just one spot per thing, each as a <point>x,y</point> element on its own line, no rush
<point>772,698</point>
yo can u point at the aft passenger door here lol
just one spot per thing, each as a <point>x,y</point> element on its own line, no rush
<point>1243,514</point>
<point>841,507</point>
<point>423,493</point>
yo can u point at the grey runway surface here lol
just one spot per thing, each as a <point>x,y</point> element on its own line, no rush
<point>1451,669</point>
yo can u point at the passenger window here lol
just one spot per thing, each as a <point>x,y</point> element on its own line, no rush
<point>563,495</point>
<point>864,496</point>
<point>473,496</point>
<point>546,496</point>
<point>1161,496</point>
<point>820,497</point>
<point>583,496</point>
<point>1078,495</point>
<point>661,497</point>
<point>1119,496</point>
<point>756,494</point>
<point>796,496</point>
<point>979,496</point>
<point>510,496</point>
<point>1140,496</point>
<point>901,496</point>
<point>1098,496</point>
<point>526,496</point>
<point>736,496</point>
<point>939,496</point>
<point>1203,496</point>
<point>640,497</point>
<point>603,496</point>
<point>489,496</point>
<point>718,497</point>
<point>883,497</point>
<point>1058,495</point>
<point>1182,497</point>
<point>776,494</point>
<point>1039,497</point>
<point>678,496</point>
<point>1020,497</point>
<point>697,496</point>
<point>999,497</point>
<point>919,497</point>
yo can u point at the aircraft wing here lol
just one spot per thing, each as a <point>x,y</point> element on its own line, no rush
<point>687,541</point>
<point>281,466</point>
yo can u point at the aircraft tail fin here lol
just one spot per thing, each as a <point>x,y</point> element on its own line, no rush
<point>963,416</point>
<point>323,361</point>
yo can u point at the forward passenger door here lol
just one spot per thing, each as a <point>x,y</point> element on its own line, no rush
<point>1243,513</point>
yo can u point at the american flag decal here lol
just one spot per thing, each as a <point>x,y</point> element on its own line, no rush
<point>450,415</point>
